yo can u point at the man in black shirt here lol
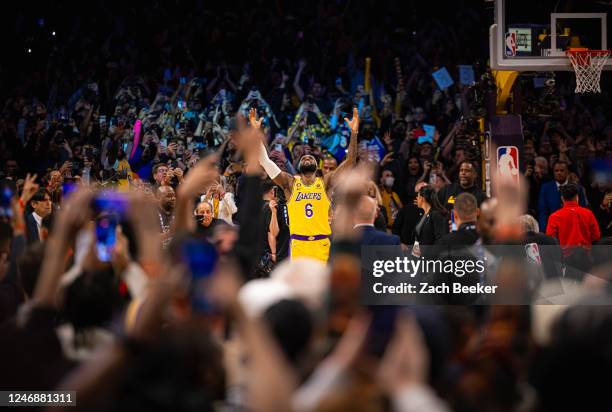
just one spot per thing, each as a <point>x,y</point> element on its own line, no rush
<point>206,222</point>
<point>466,184</point>
<point>465,212</point>
<point>455,247</point>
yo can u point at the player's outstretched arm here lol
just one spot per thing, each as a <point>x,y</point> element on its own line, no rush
<point>283,179</point>
<point>351,156</point>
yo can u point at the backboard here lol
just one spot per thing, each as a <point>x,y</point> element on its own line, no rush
<point>533,35</point>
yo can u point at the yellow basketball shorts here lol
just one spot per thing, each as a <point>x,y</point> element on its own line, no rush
<point>316,247</point>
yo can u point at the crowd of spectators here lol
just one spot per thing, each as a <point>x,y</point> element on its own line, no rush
<point>151,100</point>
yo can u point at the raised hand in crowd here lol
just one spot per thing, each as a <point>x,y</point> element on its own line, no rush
<point>29,188</point>
<point>253,120</point>
<point>353,123</point>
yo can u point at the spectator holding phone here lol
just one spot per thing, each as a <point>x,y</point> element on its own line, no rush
<point>222,202</point>
<point>206,223</point>
<point>160,171</point>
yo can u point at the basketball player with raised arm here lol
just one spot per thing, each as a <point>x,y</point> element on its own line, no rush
<point>308,201</point>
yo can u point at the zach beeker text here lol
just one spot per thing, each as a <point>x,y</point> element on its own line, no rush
<point>425,288</point>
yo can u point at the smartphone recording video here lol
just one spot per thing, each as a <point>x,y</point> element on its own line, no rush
<point>106,236</point>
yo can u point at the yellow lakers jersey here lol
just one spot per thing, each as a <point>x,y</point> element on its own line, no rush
<point>308,208</point>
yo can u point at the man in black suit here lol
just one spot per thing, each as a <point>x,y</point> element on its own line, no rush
<point>364,222</point>
<point>41,208</point>
<point>371,239</point>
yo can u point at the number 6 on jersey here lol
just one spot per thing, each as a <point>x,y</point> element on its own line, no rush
<point>308,210</point>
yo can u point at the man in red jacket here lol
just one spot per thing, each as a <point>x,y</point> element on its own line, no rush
<point>576,228</point>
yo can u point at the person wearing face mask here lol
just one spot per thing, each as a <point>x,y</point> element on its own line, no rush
<point>391,200</point>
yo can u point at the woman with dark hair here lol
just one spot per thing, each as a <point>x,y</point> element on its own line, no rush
<point>412,173</point>
<point>434,223</point>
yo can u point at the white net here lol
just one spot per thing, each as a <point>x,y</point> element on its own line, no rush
<point>588,65</point>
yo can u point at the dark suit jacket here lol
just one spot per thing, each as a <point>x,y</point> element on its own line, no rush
<point>434,227</point>
<point>374,237</point>
<point>453,242</point>
<point>455,247</point>
<point>405,222</point>
<point>550,201</point>
<point>31,229</point>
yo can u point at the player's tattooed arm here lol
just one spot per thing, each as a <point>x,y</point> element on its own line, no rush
<point>284,180</point>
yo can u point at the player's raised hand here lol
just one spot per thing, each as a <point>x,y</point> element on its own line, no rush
<point>253,120</point>
<point>354,122</point>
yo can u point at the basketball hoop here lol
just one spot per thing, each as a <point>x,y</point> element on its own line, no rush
<point>588,65</point>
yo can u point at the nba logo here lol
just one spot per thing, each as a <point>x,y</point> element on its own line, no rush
<point>511,44</point>
<point>532,250</point>
<point>508,162</point>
